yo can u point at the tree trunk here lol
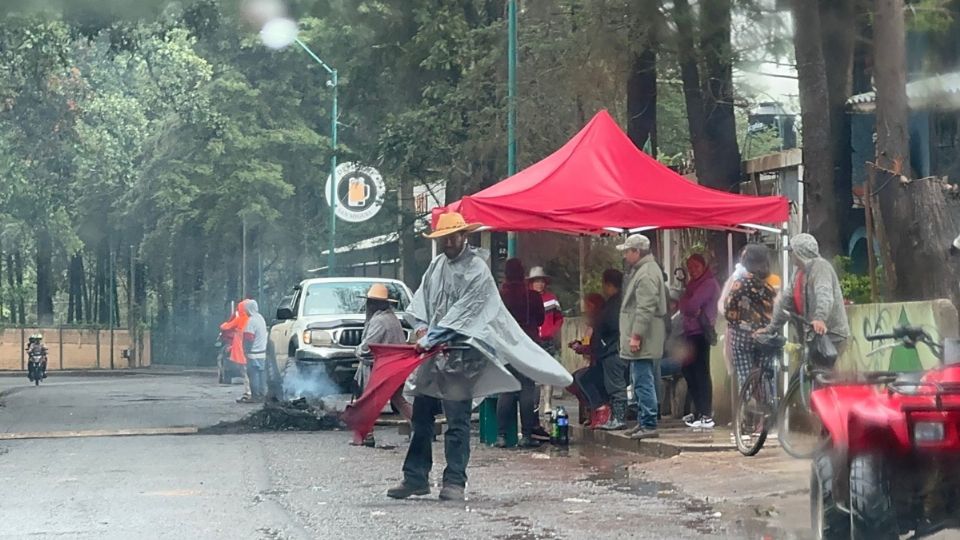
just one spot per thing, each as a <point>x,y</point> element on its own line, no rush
<point>405,226</point>
<point>690,75</point>
<point>837,18</point>
<point>76,289</point>
<point>818,155</point>
<point>719,126</point>
<point>45,283</point>
<point>20,305</point>
<point>890,76</point>
<point>914,214</point>
<point>642,81</point>
<point>709,101</point>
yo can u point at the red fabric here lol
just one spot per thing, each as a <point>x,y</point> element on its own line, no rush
<point>392,365</point>
<point>232,331</point>
<point>600,179</point>
<point>552,318</point>
<point>799,302</point>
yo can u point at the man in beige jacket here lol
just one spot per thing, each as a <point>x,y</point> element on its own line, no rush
<point>642,329</point>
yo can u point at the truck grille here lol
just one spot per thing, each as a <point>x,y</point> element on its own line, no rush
<point>351,337</point>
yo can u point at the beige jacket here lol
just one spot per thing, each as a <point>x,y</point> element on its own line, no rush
<point>643,309</point>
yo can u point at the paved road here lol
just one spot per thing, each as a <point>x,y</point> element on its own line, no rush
<point>313,485</point>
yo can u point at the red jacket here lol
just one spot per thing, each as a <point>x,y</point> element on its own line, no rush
<point>553,317</point>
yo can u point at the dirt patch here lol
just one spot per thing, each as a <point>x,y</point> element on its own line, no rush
<point>297,415</point>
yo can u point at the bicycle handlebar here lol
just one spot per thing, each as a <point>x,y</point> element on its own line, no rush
<point>912,333</point>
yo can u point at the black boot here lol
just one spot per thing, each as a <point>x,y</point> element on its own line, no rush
<point>618,416</point>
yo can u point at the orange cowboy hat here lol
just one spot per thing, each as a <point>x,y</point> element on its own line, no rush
<point>451,223</point>
<point>379,291</point>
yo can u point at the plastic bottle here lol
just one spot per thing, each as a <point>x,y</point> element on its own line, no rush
<point>563,427</point>
<point>554,428</point>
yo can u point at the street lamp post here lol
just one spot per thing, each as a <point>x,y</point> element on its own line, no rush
<point>332,83</point>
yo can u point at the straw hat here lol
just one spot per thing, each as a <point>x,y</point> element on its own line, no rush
<point>451,223</point>
<point>378,291</point>
<point>536,273</point>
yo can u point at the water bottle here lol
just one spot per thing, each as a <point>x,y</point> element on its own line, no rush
<point>554,428</point>
<point>563,427</point>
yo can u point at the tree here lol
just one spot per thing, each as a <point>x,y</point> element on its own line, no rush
<point>818,156</point>
<point>706,68</point>
<point>916,226</point>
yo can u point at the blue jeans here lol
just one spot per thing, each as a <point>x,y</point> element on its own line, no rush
<point>419,461</point>
<point>645,390</point>
<point>258,382</point>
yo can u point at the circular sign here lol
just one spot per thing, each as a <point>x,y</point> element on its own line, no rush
<point>360,192</point>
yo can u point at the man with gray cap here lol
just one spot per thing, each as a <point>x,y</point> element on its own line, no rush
<point>814,294</point>
<point>642,332</point>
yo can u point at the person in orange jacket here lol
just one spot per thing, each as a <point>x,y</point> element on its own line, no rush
<point>232,333</point>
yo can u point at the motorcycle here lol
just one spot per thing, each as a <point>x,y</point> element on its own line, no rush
<point>37,363</point>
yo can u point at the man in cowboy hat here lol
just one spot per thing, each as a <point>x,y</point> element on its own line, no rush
<point>550,329</point>
<point>458,302</point>
<point>382,327</point>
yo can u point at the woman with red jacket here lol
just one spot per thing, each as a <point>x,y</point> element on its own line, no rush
<point>549,335</point>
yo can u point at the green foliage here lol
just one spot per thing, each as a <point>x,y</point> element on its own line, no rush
<point>855,287</point>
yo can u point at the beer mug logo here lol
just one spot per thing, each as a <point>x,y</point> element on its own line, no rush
<point>358,191</point>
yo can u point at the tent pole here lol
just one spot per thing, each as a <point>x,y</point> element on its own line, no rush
<point>730,254</point>
<point>667,261</point>
<point>433,249</point>
<point>583,269</point>
<point>785,254</point>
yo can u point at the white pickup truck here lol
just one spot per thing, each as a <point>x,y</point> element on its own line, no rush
<point>321,324</point>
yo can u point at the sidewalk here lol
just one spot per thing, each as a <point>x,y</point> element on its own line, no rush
<point>675,439</point>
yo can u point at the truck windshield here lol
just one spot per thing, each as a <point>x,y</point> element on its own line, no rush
<point>346,298</point>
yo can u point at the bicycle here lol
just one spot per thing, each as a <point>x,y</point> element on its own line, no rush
<point>758,400</point>
<point>796,422</point>
<point>760,406</point>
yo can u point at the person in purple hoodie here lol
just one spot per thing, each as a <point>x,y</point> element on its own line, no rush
<point>698,305</point>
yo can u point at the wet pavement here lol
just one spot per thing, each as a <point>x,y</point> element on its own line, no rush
<point>314,485</point>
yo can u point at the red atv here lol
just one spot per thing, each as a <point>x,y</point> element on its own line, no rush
<point>891,462</point>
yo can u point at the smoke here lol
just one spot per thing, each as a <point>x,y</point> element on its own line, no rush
<point>309,381</point>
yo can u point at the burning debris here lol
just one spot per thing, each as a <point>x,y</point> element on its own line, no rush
<point>296,415</point>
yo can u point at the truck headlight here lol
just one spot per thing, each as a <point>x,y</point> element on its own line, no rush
<point>928,432</point>
<point>317,338</point>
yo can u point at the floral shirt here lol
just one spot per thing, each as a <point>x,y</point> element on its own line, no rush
<point>750,304</point>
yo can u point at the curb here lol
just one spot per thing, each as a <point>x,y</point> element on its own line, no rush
<point>116,373</point>
<point>658,448</point>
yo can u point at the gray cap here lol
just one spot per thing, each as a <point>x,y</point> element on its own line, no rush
<point>635,241</point>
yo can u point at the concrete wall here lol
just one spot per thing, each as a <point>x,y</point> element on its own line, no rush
<point>938,317</point>
<point>75,348</point>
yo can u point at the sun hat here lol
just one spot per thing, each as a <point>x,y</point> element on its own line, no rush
<point>451,223</point>
<point>379,291</point>
<point>536,273</point>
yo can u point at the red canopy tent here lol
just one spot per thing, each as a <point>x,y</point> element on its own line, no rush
<point>600,182</point>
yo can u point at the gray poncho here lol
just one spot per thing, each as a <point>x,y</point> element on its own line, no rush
<point>461,296</point>
<point>383,328</point>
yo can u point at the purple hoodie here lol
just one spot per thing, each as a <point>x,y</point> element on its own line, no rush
<point>701,295</point>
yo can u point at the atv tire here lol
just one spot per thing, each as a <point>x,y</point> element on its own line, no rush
<point>872,515</point>
<point>829,521</point>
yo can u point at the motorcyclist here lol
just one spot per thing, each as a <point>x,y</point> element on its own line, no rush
<point>35,347</point>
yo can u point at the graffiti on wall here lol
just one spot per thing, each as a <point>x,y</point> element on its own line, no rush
<point>871,319</point>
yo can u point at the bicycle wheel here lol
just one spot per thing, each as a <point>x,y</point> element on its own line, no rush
<point>753,413</point>
<point>799,431</point>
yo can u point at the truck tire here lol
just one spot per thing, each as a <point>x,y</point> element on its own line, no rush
<point>829,521</point>
<point>872,515</point>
